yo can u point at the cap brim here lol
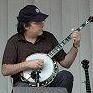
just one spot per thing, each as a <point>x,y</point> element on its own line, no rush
<point>39,17</point>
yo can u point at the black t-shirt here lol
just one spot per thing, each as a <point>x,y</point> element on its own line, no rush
<point>18,49</point>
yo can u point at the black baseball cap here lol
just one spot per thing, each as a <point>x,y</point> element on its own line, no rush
<point>31,13</point>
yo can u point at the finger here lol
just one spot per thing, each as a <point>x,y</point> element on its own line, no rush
<point>75,33</point>
<point>40,62</point>
<point>74,36</point>
<point>41,67</point>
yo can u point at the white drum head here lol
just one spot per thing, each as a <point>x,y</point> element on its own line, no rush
<point>47,70</point>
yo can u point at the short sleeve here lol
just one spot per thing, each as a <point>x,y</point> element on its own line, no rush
<point>10,53</point>
<point>60,55</point>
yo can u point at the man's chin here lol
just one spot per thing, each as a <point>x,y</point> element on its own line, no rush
<point>40,32</point>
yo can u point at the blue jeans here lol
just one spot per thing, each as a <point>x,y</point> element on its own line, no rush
<point>63,79</point>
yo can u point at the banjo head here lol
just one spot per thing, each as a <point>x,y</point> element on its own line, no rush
<point>48,72</point>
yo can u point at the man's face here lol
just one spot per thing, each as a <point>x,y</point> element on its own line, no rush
<point>35,28</point>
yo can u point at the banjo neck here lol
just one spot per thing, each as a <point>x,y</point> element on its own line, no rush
<point>88,88</point>
<point>53,52</point>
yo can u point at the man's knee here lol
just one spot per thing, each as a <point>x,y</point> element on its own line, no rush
<point>65,75</point>
<point>66,80</point>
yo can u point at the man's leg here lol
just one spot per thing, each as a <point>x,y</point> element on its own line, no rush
<point>63,79</point>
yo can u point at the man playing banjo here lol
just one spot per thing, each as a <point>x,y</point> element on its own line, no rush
<point>31,39</point>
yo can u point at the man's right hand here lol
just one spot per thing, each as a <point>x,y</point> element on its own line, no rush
<point>11,69</point>
<point>35,64</point>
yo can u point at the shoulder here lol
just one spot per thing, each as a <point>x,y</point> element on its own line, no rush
<point>48,34</point>
<point>13,39</point>
<point>50,37</point>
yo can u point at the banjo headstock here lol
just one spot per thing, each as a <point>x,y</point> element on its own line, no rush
<point>85,64</point>
<point>90,19</point>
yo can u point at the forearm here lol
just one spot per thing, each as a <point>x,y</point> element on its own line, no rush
<point>69,58</point>
<point>10,69</point>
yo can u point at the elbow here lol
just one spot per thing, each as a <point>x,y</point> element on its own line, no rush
<point>4,71</point>
<point>67,66</point>
<point>4,74</point>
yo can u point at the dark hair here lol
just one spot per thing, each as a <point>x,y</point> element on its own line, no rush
<point>20,27</point>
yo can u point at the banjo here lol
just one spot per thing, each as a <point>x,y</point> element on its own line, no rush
<point>46,75</point>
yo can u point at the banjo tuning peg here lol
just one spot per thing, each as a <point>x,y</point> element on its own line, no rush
<point>90,19</point>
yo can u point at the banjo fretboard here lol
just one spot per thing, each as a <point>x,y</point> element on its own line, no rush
<point>52,53</point>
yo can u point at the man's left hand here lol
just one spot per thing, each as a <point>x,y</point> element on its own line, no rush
<point>76,39</point>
